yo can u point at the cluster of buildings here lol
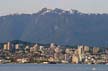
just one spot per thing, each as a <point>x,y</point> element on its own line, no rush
<point>19,52</point>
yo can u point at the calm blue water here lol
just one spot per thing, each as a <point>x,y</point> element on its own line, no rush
<point>52,67</point>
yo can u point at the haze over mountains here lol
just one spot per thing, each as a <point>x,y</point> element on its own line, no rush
<point>58,26</point>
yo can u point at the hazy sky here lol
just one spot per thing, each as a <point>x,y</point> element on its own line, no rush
<point>31,6</point>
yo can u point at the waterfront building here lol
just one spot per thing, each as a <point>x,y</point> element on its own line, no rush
<point>75,59</point>
<point>5,46</point>
<point>36,48</point>
<point>16,46</point>
<point>53,45</point>
<point>80,52</point>
<point>95,50</point>
<point>8,46</point>
<point>86,49</point>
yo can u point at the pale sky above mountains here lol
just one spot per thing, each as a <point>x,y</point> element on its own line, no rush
<point>32,6</point>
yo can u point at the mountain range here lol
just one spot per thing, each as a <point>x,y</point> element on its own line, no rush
<point>64,27</point>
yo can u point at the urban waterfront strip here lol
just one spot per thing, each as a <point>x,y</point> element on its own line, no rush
<point>24,52</point>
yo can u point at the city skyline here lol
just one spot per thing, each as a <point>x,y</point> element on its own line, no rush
<point>24,52</point>
<point>32,6</point>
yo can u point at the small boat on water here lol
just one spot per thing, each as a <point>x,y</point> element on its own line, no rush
<point>93,69</point>
<point>106,64</point>
<point>52,62</point>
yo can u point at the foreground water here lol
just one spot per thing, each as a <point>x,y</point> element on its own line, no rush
<point>52,67</point>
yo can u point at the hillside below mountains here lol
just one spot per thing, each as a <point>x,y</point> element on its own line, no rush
<point>58,26</point>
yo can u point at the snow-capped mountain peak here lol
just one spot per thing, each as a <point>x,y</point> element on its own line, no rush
<point>44,11</point>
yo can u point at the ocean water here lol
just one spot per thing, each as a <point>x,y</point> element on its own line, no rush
<point>52,67</point>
